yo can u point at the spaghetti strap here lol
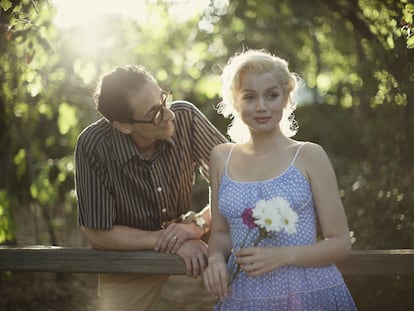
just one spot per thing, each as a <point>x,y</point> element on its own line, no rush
<point>297,152</point>
<point>228,157</point>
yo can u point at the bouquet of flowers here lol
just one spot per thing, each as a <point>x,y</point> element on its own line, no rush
<point>270,217</point>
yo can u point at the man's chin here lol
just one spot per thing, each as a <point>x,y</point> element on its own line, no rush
<point>169,132</point>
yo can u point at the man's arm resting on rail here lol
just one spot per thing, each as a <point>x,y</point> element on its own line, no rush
<point>121,238</point>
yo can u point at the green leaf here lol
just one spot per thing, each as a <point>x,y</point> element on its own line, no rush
<point>410,42</point>
<point>67,118</point>
<point>5,4</point>
<point>408,13</point>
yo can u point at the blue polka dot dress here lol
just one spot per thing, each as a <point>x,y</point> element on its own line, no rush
<point>289,288</point>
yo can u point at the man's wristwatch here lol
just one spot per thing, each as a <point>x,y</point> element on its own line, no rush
<point>200,222</point>
<point>192,217</point>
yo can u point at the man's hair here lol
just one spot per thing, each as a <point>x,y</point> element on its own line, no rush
<point>112,93</point>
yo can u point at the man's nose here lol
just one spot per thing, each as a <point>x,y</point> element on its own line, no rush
<point>168,114</point>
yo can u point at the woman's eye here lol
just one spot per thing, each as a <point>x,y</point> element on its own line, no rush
<point>273,96</point>
<point>248,98</point>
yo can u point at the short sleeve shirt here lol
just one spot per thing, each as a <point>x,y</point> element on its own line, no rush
<point>115,185</point>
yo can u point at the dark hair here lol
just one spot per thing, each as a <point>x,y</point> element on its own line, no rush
<point>112,93</point>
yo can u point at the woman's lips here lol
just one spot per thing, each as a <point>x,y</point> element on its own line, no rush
<point>262,119</point>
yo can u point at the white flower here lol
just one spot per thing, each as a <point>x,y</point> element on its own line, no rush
<point>290,218</point>
<point>269,217</point>
<point>275,215</point>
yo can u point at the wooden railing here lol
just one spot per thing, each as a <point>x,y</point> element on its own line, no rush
<point>86,260</point>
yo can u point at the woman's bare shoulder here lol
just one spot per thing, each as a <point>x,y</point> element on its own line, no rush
<point>313,149</point>
<point>314,157</point>
<point>222,149</point>
<point>219,154</point>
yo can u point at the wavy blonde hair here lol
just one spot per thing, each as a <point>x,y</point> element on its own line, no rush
<point>258,61</point>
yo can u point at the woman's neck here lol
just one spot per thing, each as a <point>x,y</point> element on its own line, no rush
<point>263,142</point>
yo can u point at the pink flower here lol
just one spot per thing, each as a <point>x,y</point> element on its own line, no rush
<point>248,218</point>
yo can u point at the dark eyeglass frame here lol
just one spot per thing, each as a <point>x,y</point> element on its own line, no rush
<point>165,102</point>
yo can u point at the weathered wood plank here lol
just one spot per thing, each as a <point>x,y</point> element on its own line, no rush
<point>86,260</point>
<point>379,262</point>
<point>62,259</point>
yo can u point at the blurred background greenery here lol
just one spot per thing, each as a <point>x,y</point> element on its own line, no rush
<point>356,59</point>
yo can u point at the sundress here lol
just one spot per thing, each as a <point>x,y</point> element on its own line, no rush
<point>289,288</point>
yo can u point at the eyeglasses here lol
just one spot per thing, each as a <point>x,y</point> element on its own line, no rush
<point>165,102</point>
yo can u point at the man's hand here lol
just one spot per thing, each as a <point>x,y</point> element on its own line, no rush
<point>194,254</point>
<point>174,236</point>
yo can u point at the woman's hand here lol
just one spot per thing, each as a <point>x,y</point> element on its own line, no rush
<point>216,277</point>
<point>259,260</point>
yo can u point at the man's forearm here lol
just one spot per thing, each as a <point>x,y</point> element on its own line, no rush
<point>121,238</point>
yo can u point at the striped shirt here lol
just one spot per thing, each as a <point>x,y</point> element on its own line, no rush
<point>116,185</point>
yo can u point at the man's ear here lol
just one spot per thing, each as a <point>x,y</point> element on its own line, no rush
<point>124,128</point>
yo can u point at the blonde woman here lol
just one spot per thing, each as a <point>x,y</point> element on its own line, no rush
<point>289,270</point>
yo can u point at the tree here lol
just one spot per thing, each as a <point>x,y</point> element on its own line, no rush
<point>24,35</point>
<point>354,56</point>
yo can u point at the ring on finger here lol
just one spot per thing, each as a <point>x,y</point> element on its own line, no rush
<point>174,238</point>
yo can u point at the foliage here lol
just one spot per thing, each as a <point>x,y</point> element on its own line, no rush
<point>407,24</point>
<point>351,55</point>
<point>355,58</point>
<point>358,102</point>
<point>35,140</point>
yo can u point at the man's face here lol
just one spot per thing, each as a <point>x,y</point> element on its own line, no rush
<point>152,118</point>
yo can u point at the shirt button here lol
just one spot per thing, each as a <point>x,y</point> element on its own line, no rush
<point>159,189</point>
<point>164,210</point>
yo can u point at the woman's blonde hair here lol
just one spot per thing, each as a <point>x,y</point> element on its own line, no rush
<point>258,61</point>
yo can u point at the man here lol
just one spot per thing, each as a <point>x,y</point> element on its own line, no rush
<point>134,178</point>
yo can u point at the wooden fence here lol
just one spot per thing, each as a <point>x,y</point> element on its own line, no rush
<point>87,260</point>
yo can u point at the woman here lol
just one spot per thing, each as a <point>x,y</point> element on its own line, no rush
<point>289,270</point>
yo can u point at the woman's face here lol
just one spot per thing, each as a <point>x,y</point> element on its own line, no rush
<point>260,101</point>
